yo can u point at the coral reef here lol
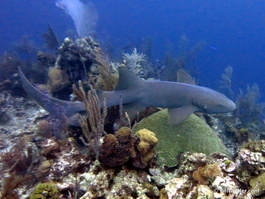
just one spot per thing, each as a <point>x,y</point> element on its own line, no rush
<point>192,135</point>
<point>118,184</point>
<point>82,59</point>
<point>251,158</point>
<point>125,163</point>
<point>66,162</point>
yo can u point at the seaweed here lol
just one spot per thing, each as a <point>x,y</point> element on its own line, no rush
<point>19,159</point>
<point>185,59</point>
<point>51,40</point>
<point>106,80</point>
<point>11,184</point>
<point>8,66</point>
<point>25,48</point>
<point>248,109</point>
<point>226,82</point>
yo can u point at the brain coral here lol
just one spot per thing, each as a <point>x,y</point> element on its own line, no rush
<point>193,135</point>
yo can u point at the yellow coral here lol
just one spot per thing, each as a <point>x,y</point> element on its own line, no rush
<point>148,141</point>
<point>58,79</point>
<point>207,172</point>
<point>147,136</point>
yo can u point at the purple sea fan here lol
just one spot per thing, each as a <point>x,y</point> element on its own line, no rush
<point>84,16</point>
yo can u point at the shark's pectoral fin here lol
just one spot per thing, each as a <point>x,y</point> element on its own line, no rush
<point>180,114</point>
<point>133,109</point>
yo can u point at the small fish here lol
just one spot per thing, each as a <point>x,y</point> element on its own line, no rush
<point>213,47</point>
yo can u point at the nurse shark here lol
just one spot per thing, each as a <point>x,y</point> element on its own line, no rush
<point>181,99</point>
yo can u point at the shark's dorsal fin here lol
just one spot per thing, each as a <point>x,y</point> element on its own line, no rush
<point>184,77</point>
<point>127,79</point>
<point>180,114</point>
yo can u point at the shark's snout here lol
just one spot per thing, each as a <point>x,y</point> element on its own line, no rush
<point>231,106</point>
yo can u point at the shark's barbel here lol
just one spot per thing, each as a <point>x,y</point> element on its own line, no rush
<point>181,99</point>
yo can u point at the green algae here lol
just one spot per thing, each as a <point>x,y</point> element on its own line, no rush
<point>258,185</point>
<point>193,135</point>
<point>45,191</point>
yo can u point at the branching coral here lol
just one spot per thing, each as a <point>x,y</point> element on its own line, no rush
<point>93,125</point>
<point>133,61</point>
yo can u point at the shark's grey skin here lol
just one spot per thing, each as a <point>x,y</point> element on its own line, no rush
<point>181,99</point>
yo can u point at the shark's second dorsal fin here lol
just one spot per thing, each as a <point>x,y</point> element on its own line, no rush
<point>127,79</point>
<point>184,77</point>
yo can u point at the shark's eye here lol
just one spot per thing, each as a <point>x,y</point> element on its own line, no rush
<point>220,106</point>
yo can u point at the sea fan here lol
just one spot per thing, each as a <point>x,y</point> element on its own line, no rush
<point>84,16</point>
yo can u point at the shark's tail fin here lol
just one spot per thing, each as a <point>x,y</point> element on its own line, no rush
<point>50,104</point>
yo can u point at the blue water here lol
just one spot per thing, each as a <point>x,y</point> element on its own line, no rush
<point>234,31</point>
